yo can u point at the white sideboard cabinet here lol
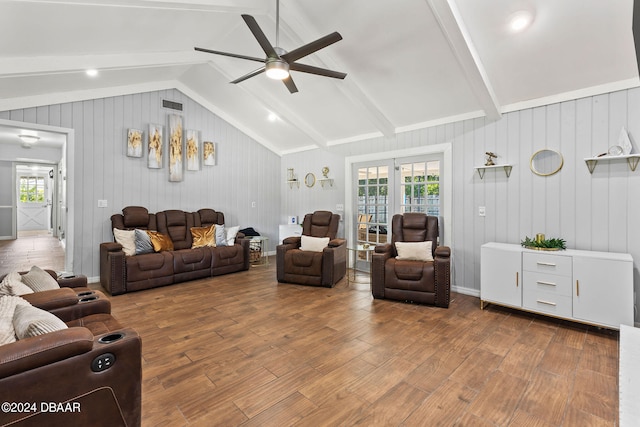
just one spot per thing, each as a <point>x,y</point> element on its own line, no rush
<point>583,286</point>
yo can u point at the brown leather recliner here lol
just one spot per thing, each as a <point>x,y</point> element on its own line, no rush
<point>88,374</point>
<point>424,282</point>
<point>324,268</point>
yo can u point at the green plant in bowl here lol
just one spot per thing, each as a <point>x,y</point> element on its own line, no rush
<point>545,244</point>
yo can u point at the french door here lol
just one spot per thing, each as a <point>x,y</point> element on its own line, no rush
<point>386,187</point>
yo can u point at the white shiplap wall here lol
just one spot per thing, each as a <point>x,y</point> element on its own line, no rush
<point>591,212</point>
<point>245,171</point>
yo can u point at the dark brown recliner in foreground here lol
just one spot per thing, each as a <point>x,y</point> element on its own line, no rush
<point>324,268</point>
<point>424,282</point>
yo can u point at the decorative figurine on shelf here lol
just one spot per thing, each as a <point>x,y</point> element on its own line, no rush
<point>325,172</point>
<point>490,157</point>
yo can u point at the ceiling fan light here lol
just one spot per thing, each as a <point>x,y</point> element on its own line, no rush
<point>277,69</point>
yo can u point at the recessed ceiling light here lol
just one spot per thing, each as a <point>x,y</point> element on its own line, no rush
<point>272,117</point>
<point>519,21</point>
<point>92,72</point>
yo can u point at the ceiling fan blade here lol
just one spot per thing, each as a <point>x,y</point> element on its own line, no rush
<point>288,82</point>
<point>248,75</point>
<point>259,35</point>
<point>309,48</point>
<point>233,55</point>
<point>316,70</point>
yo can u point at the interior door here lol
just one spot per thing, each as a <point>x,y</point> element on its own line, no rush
<point>33,208</point>
<point>7,203</point>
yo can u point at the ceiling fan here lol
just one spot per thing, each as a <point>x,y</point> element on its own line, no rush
<point>278,61</point>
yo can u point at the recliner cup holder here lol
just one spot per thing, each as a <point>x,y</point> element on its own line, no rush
<point>108,339</point>
<point>86,293</point>
<point>87,299</point>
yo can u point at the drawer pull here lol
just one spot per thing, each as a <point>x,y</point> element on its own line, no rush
<point>577,288</point>
<point>540,282</point>
<point>517,273</point>
<point>546,302</point>
<point>548,264</point>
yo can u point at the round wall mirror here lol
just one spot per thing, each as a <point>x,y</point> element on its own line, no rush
<point>309,180</point>
<point>546,162</point>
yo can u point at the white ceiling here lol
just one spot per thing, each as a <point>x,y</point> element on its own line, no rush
<point>409,63</point>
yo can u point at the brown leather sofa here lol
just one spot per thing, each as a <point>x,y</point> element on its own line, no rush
<point>424,282</point>
<point>324,268</point>
<point>120,273</point>
<point>89,374</point>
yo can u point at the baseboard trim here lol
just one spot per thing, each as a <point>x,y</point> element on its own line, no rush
<point>466,291</point>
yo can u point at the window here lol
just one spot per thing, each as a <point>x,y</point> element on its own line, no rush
<point>31,189</point>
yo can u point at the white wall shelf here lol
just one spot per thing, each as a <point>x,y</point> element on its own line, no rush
<point>481,169</point>
<point>632,161</point>
<point>328,181</point>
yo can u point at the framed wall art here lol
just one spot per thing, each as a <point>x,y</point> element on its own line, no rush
<point>209,153</point>
<point>175,148</point>
<point>154,147</point>
<point>193,154</point>
<point>134,143</point>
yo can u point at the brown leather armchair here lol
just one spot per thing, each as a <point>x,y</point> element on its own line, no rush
<point>424,282</point>
<point>324,268</point>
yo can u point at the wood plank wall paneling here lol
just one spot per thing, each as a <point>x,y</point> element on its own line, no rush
<point>596,211</point>
<point>245,170</point>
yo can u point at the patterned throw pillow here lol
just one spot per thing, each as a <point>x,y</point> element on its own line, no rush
<point>30,321</point>
<point>143,242</point>
<point>12,285</point>
<point>39,280</point>
<point>203,236</point>
<point>8,305</point>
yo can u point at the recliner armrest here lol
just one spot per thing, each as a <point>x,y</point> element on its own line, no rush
<point>292,240</point>
<point>443,252</point>
<point>52,299</point>
<point>33,352</point>
<point>111,246</point>
<point>337,242</point>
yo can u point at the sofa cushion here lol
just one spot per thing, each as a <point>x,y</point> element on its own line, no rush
<point>414,251</point>
<point>12,285</point>
<point>39,280</point>
<point>203,236</point>
<point>143,242</point>
<point>30,321</point>
<point>127,238</point>
<point>8,304</point>
<point>313,244</point>
<point>160,242</point>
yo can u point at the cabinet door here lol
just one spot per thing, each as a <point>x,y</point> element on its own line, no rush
<point>603,291</point>
<point>501,276</point>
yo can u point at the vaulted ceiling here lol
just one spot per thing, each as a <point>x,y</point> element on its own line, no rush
<point>409,63</point>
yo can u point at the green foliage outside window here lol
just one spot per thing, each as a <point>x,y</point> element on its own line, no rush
<point>31,189</point>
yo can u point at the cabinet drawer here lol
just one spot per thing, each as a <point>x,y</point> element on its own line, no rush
<point>547,302</point>
<point>543,282</point>
<point>545,263</point>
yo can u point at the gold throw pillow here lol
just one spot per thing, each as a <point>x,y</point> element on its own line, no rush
<point>203,236</point>
<point>160,242</point>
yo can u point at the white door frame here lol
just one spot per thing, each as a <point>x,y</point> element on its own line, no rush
<point>69,160</point>
<point>447,178</point>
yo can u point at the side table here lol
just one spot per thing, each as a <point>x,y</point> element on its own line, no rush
<point>353,251</point>
<point>258,250</point>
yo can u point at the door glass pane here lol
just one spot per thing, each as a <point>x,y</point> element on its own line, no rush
<point>420,187</point>
<point>372,204</point>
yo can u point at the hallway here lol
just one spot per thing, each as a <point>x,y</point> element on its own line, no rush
<point>31,248</point>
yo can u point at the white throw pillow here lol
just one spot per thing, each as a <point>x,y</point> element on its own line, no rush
<point>232,232</point>
<point>12,285</point>
<point>8,305</point>
<point>127,238</point>
<point>414,251</point>
<point>30,321</point>
<point>313,244</point>
<point>39,280</point>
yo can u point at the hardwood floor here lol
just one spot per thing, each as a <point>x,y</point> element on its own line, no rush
<point>242,349</point>
<point>31,248</point>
